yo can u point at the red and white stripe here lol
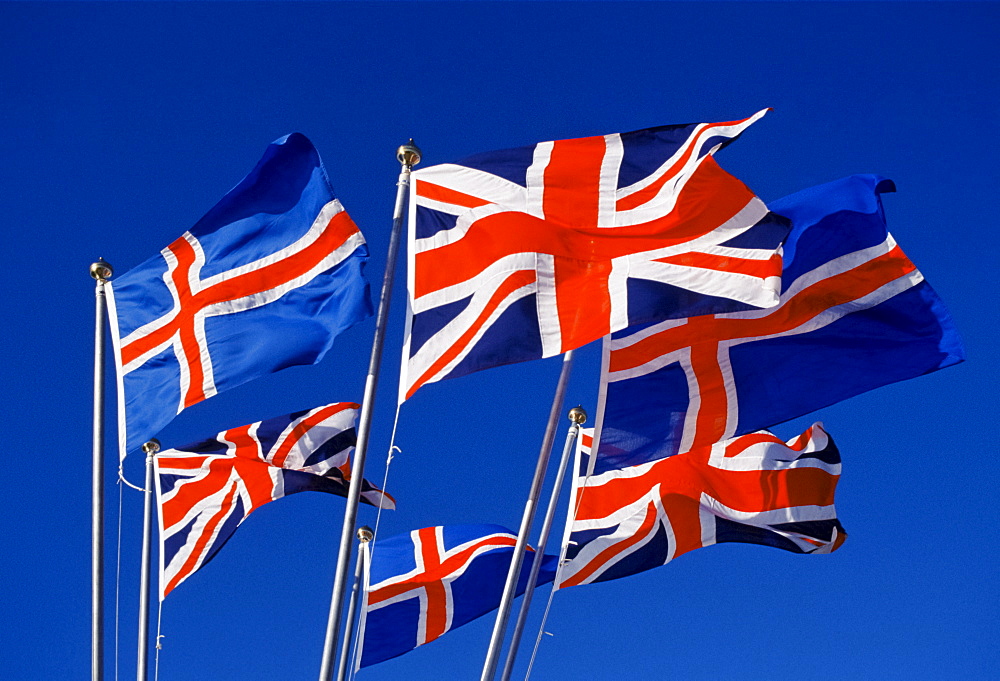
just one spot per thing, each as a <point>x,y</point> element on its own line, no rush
<point>430,581</point>
<point>754,479</point>
<point>569,221</point>
<point>245,472</point>
<point>701,345</point>
<point>331,238</point>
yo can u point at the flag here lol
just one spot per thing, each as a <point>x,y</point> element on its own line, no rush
<point>753,489</point>
<point>207,489</point>
<point>430,581</point>
<point>855,314</point>
<point>527,253</point>
<point>262,282</point>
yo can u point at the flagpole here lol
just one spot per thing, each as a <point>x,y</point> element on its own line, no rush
<point>578,417</point>
<point>365,535</point>
<point>101,272</point>
<point>408,156</point>
<point>510,588</point>
<point>141,671</point>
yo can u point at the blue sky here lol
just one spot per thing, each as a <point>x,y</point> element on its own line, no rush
<point>125,122</point>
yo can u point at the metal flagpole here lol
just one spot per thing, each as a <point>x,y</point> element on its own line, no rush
<point>408,156</point>
<point>150,448</point>
<point>578,416</point>
<point>101,272</point>
<point>510,588</point>
<point>365,535</point>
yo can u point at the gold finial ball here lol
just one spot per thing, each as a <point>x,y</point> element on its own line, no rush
<point>577,415</point>
<point>101,270</point>
<point>151,447</point>
<point>408,154</point>
<point>365,534</point>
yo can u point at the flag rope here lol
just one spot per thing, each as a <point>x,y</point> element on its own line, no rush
<point>577,416</point>
<point>571,518</point>
<point>385,478</point>
<point>573,508</point>
<point>156,656</point>
<point>389,456</point>
<point>352,663</point>
<point>118,576</point>
<point>541,627</point>
<point>121,476</point>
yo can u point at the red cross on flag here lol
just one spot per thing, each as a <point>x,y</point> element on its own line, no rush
<point>206,490</point>
<point>263,281</point>
<point>754,489</point>
<point>527,253</point>
<point>855,314</point>
<point>423,584</point>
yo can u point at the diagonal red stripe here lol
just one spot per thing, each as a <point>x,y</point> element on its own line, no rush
<point>435,192</point>
<point>711,198</point>
<point>808,303</point>
<point>199,548</point>
<point>510,284</point>
<point>303,427</point>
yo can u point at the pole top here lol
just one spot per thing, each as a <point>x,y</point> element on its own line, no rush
<point>151,447</point>
<point>408,154</point>
<point>577,415</point>
<point>101,270</point>
<point>365,534</point>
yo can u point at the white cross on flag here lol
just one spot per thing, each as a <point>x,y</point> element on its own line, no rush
<point>262,282</point>
<point>527,253</point>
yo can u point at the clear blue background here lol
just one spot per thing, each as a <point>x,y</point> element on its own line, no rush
<point>123,123</point>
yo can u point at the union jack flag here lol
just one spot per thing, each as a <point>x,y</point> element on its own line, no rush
<point>430,581</point>
<point>207,489</point>
<point>262,282</point>
<point>527,253</point>
<point>855,314</point>
<point>753,489</point>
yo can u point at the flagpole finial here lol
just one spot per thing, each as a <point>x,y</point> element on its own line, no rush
<point>101,270</point>
<point>577,415</point>
<point>408,154</point>
<point>151,447</point>
<point>365,534</point>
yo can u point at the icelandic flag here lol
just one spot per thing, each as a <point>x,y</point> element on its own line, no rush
<point>206,490</point>
<point>527,253</point>
<point>753,489</point>
<point>262,282</point>
<point>855,314</point>
<point>430,581</point>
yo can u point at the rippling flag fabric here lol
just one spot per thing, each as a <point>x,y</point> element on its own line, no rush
<point>855,314</point>
<point>752,489</point>
<point>207,489</point>
<point>262,282</point>
<point>527,253</point>
<point>430,581</point>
